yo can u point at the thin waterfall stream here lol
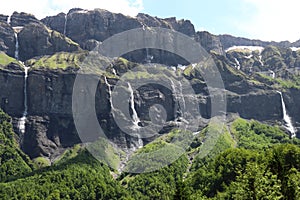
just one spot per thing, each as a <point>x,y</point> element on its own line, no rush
<point>65,24</point>
<point>22,120</point>
<point>289,126</point>
<point>135,117</point>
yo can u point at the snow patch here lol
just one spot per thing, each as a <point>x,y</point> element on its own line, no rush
<point>295,48</point>
<point>251,48</point>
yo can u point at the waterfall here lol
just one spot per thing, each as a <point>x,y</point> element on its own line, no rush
<point>178,94</point>
<point>148,56</point>
<point>272,73</point>
<point>16,46</point>
<point>140,141</point>
<point>22,120</point>
<point>260,60</point>
<point>135,117</point>
<point>65,25</point>
<point>182,67</point>
<point>181,95</point>
<point>114,71</point>
<point>287,118</point>
<point>8,19</point>
<point>238,65</point>
<point>109,92</point>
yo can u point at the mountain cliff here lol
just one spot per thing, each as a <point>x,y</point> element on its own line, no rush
<point>55,46</point>
<point>198,149</point>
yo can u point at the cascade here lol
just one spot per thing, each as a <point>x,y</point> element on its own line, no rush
<point>272,73</point>
<point>109,92</point>
<point>238,65</point>
<point>22,120</point>
<point>182,67</point>
<point>140,141</point>
<point>16,46</point>
<point>178,94</point>
<point>287,118</point>
<point>65,25</point>
<point>148,56</point>
<point>135,117</point>
<point>8,19</point>
<point>260,60</point>
<point>181,94</point>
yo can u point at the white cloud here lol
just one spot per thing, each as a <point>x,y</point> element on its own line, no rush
<point>42,8</point>
<point>276,20</point>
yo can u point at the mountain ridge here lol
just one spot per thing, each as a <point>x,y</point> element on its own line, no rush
<point>88,39</point>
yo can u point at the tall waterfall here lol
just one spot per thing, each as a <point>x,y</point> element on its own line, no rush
<point>65,24</point>
<point>16,46</point>
<point>181,95</point>
<point>135,117</point>
<point>178,95</point>
<point>289,126</point>
<point>109,92</point>
<point>22,120</point>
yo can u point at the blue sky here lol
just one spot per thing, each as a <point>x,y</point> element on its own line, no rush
<point>257,19</point>
<point>216,16</point>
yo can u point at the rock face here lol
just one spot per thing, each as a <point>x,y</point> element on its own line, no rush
<point>3,18</point>
<point>36,39</point>
<point>82,25</point>
<point>56,22</point>
<point>50,125</point>
<point>7,39</point>
<point>271,61</point>
<point>183,26</point>
<point>11,88</point>
<point>22,19</point>
<point>229,41</point>
<point>210,42</point>
<point>89,28</point>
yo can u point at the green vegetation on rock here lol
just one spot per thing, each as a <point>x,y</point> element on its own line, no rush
<point>5,59</point>
<point>61,61</point>
<point>248,160</point>
<point>13,162</point>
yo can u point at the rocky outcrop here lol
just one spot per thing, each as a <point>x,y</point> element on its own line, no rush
<point>36,40</point>
<point>82,25</point>
<point>11,90</point>
<point>22,19</point>
<point>3,18</point>
<point>262,105</point>
<point>291,98</point>
<point>7,39</point>
<point>56,22</point>
<point>229,41</point>
<point>182,26</point>
<point>272,61</point>
<point>210,42</point>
